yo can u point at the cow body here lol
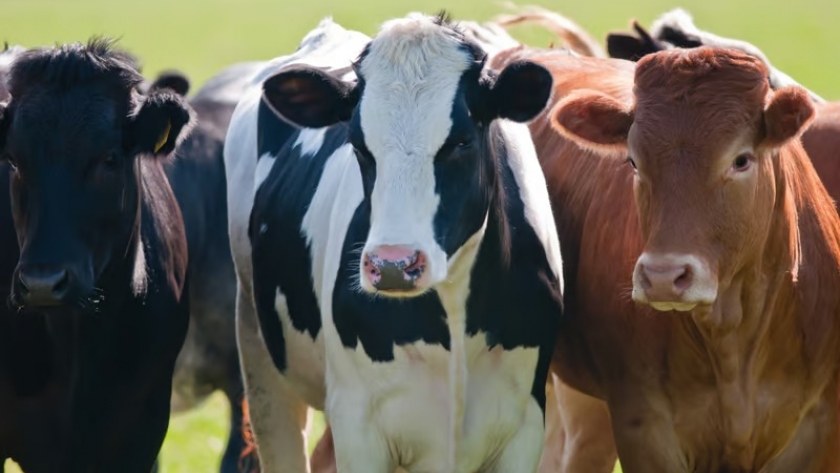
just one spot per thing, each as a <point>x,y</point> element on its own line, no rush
<point>432,369</point>
<point>100,318</point>
<point>740,381</point>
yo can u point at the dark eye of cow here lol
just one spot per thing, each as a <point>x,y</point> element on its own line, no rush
<point>632,163</point>
<point>742,162</point>
<point>464,144</point>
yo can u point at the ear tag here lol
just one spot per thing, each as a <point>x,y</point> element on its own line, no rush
<point>163,137</point>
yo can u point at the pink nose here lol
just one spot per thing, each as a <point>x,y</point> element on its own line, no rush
<point>394,267</point>
<point>664,279</point>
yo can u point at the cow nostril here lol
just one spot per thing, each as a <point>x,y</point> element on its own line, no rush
<point>644,279</point>
<point>416,267</point>
<point>62,283</point>
<point>683,281</point>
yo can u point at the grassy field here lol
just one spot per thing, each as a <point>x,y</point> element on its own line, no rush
<point>200,37</point>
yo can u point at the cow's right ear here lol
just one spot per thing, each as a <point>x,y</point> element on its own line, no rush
<point>310,97</point>
<point>594,120</point>
<point>175,80</point>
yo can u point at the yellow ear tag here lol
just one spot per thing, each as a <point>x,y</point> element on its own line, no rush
<point>163,136</point>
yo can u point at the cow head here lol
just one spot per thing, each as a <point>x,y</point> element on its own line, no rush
<point>73,133</point>
<point>704,137</point>
<point>419,120</point>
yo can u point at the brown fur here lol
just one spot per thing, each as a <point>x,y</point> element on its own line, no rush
<point>751,383</point>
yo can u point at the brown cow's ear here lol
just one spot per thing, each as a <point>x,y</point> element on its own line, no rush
<point>789,112</point>
<point>594,120</point>
<point>163,120</point>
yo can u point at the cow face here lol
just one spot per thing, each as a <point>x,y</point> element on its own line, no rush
<point>71,134</point>
<point>704,137</point>
<point>420,123</point>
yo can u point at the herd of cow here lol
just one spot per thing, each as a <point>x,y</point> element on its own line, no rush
<point>471,254</point>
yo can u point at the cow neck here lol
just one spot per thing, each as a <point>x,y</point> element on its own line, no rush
<point>776,301</point>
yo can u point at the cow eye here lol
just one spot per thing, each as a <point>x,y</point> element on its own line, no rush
<point>632,163</point>
<point>110,161</point>
<point>742,162</point>
<point>464,144</point>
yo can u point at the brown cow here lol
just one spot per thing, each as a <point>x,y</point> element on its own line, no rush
<point>737,236</point>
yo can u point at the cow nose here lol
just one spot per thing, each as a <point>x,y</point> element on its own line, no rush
<point>394,267</point>
<point>672,282</point>
<point>42,288</point>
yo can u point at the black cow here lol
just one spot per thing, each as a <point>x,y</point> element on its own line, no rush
<point>99,315</point>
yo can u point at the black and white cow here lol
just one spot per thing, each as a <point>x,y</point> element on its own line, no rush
<point>397,258</point>
<point>102,267</point>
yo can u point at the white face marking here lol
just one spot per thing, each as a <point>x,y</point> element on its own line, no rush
<point>411,73</point>
<point>310,141</point>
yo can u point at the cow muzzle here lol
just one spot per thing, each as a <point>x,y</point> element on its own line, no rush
<point>395,270</point>
<point>37,287</point>
<point>673,282</point>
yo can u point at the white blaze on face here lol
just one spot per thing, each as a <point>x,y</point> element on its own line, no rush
<point>411,72</point>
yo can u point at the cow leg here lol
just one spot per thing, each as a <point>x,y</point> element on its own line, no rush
<point>235,454</point>
<point>522,453</point>
<point>579,437</point>
<point>278,417</point>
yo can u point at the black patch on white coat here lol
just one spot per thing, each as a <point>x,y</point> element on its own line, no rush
<point>280,254</point>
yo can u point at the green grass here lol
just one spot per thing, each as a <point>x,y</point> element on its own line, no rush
<point>200,37</point>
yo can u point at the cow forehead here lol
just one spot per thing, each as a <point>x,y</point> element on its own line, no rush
<point>411,72</point>
<point>85,120</point>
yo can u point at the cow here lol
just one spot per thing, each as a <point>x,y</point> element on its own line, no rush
<point>209,359</point>
<point>397,261</point>
<point>702,256</point>
<point>102,268</point>
<point>676,29</point>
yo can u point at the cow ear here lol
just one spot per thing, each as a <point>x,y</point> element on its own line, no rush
<point>520,92</point>
<point>163,120</point>
<point>632,48</point>
<point>5,118</point>
<point>788,113</point>
<point>310,97</point>
<point>594,120</point>
<point>175,80</point>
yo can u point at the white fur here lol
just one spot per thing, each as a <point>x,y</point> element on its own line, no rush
<point>681,20</point>
<point>264,165</point>
<point>310,141</point>
<point>411,72</point>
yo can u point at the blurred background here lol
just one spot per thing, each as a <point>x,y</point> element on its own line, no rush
<point>200,37</point>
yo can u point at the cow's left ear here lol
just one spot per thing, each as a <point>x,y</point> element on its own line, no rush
<point>163,120</point>
<point>520,92</point>
<point>788,114</point>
